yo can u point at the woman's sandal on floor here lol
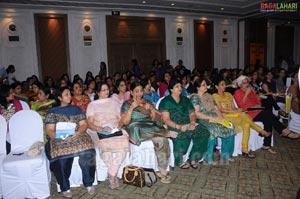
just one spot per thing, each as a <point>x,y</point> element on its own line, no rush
<point>166,179</point>
<point>290,135</point>
<point>248,155</point>
<point>185,165</point>
<point>269,149</point>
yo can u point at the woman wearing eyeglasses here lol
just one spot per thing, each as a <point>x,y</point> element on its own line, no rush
<point>249,102</point>
<point>103,115</point>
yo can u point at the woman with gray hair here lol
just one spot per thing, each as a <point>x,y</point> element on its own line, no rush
<point>249,102</point>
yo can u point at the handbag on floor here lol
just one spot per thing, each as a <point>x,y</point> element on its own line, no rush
<point>150,177</point>
<point>138,176</point>
<point>133,175</point>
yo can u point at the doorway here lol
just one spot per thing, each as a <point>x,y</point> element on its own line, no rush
<point>204,45</point>
<point>52,45</point>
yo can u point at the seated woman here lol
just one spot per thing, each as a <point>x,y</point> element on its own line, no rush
<point>179,115</point>
<point>9,105</point>
<point>149,94</point>
<point>120,94</point>
<point>104,115</point>
<point>242,121</point>
<point>208,115</point>
<point>79,99</point>
<point>90,90</point>
<point>249,102</point>
<point>35,88</point>
<point>136,117</point>
<point>17,88</point>
<point>61,167</point>
<point>44,103</point>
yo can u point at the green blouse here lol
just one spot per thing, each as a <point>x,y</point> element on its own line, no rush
<point>180,114</point>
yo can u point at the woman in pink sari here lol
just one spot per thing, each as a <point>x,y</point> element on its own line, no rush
<point>103,116</point>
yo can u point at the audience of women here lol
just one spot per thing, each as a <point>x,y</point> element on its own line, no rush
<point>242,122</point>
<point>78,98</point>
<point>62,166</point>
<point>249,102</point>
<point>179,115</point>
<point>136,118</point>
<point>103,114</point>
<point>208,114</point>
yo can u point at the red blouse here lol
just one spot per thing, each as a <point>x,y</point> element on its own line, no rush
<point>252,101</point>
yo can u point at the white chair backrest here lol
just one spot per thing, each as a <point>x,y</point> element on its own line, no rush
<point>3,131</point>
<point>25,106</point>
<point>25,128</point>
<point>158,102</point>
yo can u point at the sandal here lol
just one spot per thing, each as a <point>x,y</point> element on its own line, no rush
<point>213,163</point>
<point>269,149</point>
<point>265,133</point>
<point>185,165</point>
<point>113,183</point>
<point>248,155</point>
<point>231,160</point>
<point>195,166</point>
<point>290,135</point>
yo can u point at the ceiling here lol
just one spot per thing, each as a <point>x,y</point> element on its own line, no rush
<point>233,8</point>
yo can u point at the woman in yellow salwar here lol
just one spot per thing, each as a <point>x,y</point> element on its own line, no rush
<point>242,121</point>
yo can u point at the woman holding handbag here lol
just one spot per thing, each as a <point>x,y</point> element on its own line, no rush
<point>103,117</point>
<point>80,144</point>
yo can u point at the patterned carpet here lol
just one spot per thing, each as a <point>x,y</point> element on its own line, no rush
<point>267,176</point>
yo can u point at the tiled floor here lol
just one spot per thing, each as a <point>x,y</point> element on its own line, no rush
<point>267,176</point>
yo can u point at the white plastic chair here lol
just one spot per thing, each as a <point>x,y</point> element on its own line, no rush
<point>25,105</point>
<point>3,131</point>
<point>75,178</point>
<point>23,176</point>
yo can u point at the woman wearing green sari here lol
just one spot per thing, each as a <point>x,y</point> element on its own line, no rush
<point>137,117</point>
<point>208,114</point>
<point>179,115</point>
<point>44,102</point>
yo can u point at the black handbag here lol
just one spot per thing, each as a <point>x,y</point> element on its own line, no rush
<point>150,177</point>
<point>102,135</point>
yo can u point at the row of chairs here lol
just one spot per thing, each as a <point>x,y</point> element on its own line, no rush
<point>26,177</point>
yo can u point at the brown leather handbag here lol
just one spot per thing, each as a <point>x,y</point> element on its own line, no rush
<point>133,175</point>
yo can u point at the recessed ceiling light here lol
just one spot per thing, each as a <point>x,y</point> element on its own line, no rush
<point>222,8</point>
<point>144,2</point>
<point>172,4</point>
<point>289,22</point>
